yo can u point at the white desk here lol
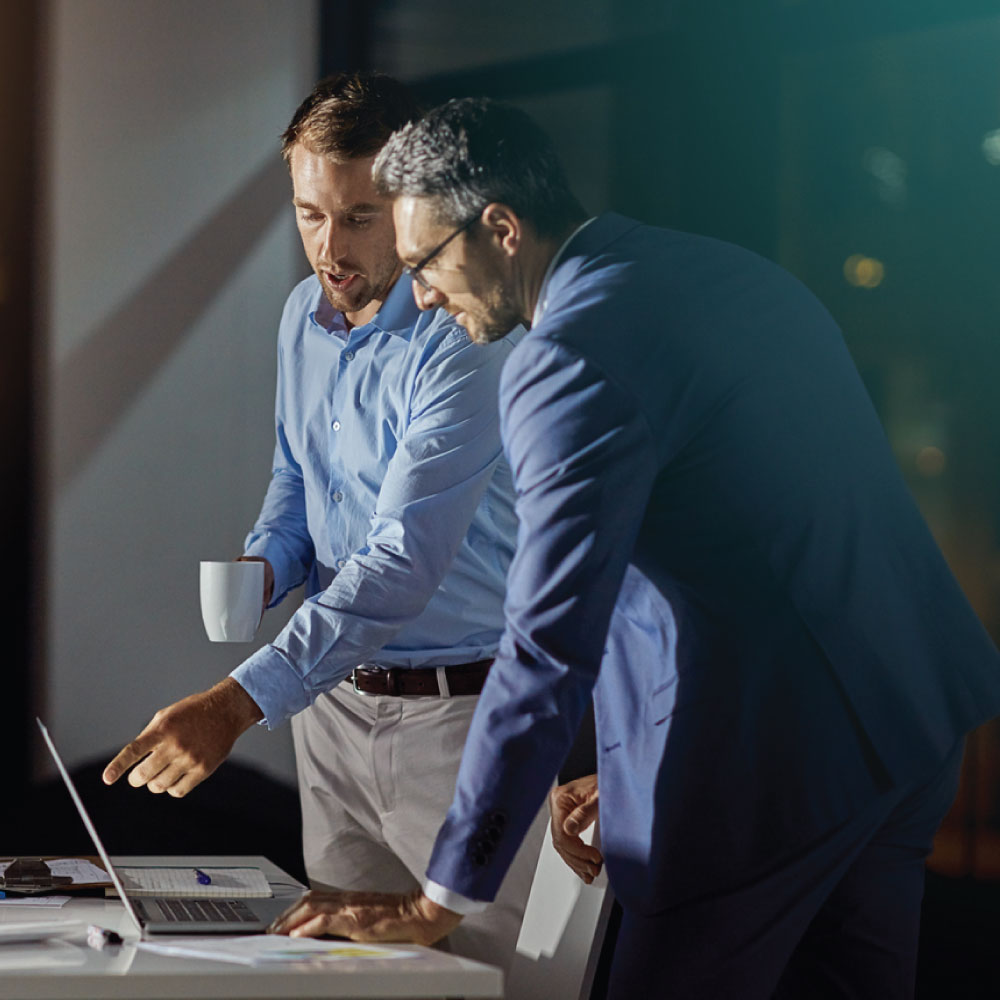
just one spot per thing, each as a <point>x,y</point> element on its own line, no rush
<point>58,970</point>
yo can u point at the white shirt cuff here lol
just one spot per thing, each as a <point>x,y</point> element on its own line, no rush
<point>453,901</point>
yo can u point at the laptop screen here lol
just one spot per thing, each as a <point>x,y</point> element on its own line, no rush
<point>85,816</point>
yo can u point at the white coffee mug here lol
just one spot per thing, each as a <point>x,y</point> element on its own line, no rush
<point>232,596</point>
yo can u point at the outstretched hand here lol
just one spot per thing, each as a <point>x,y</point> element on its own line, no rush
<point>186,742</point>
<point>574,807</point>
<point>367,916</point>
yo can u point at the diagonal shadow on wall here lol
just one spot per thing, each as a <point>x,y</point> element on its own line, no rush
<point>98,381</point>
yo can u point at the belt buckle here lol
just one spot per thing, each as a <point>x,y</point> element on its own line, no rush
<point>354,683</point>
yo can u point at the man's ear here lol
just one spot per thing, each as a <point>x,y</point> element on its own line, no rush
<point>505,228</point>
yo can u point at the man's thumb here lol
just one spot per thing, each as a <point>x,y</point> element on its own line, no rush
<point>581,817</point>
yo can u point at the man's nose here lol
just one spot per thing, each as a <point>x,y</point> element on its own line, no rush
<point>426,298</point>
<point>331,242</point>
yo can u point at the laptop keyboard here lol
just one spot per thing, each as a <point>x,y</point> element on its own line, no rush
<point>229,911</point>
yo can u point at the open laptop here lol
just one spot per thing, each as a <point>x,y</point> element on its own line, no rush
<point>174,915</point>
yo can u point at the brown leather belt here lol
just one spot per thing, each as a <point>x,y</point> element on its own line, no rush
<point>461,678</point>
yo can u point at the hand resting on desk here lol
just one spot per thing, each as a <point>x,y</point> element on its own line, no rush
<point>367,916</point>
<point>185,742</point>
<point>412,917</point>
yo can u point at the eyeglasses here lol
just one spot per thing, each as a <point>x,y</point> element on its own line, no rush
<point>414,272</point>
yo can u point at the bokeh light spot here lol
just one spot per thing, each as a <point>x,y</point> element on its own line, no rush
<point>864,272</point>
<point>991,147</point>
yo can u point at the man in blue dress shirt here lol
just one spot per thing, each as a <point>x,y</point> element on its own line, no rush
<point>390,499</point>
<point>714,539</point>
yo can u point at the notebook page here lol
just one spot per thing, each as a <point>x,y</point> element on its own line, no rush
<point>176,881</point>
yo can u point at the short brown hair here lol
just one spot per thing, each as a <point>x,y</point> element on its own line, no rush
<point>350,115</point>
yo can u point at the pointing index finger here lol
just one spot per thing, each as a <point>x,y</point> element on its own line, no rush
<point>129,755</point>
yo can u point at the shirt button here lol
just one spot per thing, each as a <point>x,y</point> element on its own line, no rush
<point>336,425</point>
<point>338,496</point>
<point>348,355</point>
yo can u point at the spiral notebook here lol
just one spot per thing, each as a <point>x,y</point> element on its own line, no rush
<point>228,883</point>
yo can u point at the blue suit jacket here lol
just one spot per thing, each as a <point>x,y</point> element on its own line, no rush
<point>714,530</point>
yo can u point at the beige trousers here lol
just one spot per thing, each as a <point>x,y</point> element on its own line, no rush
<point>376,777</point>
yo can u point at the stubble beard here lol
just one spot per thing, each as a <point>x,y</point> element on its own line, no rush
<point>368,289</point>
<point>492,333</point>
<point>498,317</point>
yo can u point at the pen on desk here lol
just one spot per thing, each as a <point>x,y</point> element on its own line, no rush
<point>203,879</point>
<point>98,937</point>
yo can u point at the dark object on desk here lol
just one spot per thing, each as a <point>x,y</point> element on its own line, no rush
<point>31,875</point>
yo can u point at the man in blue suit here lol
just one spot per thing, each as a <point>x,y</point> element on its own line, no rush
<point>715,540</point>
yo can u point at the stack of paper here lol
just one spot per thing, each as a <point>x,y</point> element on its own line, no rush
<point>82,871</point>
<point>264,949</point>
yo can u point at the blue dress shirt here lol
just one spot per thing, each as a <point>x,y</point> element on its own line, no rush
<point>389,496</point>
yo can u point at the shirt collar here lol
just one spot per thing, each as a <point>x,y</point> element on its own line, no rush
<point>543,292</point>
<point>398,315</point>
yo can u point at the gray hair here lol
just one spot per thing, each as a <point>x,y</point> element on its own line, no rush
<point>473,151</point>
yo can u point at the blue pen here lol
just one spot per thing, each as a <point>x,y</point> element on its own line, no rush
<point>203,879</point>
